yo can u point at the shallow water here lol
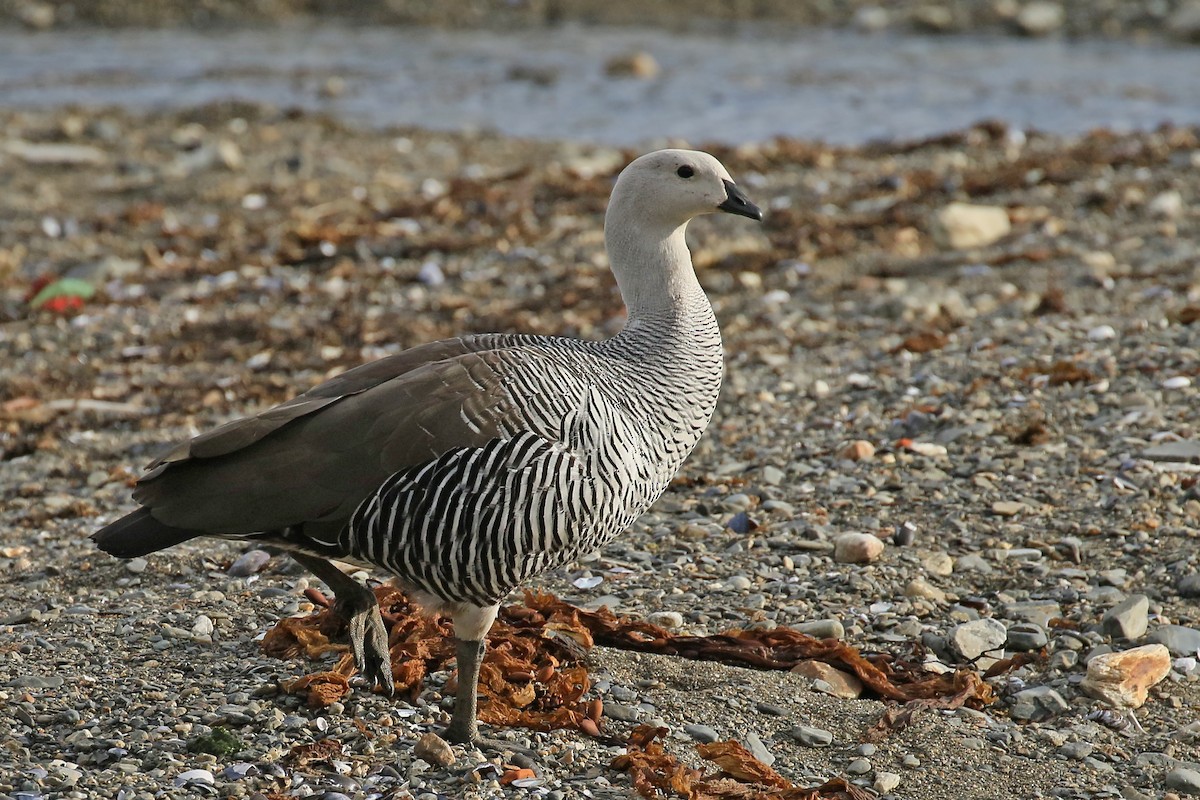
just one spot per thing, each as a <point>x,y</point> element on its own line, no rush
<point>745,86</point>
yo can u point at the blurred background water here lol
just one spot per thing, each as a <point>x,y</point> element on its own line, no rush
<point>621,86</point>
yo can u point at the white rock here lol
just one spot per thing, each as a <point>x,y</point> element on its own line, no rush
<point>195,776</point>
<point>666,619</point>
<point>857,548</point>
<point>1040,18</point>
<point>1168,205</point>
<point>1102,333</point>
<point>966,225</point>
<point>203,626</point>
<point>885,782</point>
<point>978,637</point>
<point>1177,382</point>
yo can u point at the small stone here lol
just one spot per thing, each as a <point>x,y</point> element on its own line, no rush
<point>1102,333</point>
<point>1184,780</point>
<point>1180,640</point>
<point>1127,619</point>
<point>434,750</point>
<point>666,619</point>
<point>857,548</point>
<point>632,65</point>
<point>249,563</point>
<point>1040,18</point>
<point>836,682</point>
<point>859,450</point>
<point>203,626</point>
<point>979,637</point>
<point>136,565</point>
<point>741,522</point>
<point>201,776</point>
<point>885,782</point>
<point>919,587</point>
<point>1037,703</point>
<point>1124,679</point>
<point>811,737</point>
<point>822,629</point>
<point>1039,612</point>
<point>965,225</point>
<point>1008,508</point>
<point>1177,382</point>
<point>757,749</point>
<point>1026,636</point>
<point>739,583</point>
<point>1186,451</point>
<point>773,476</point>
<point>859,766</point>
<point>701,733</point>
<point>1077,751</point>
<point>1168,205</point>
<point>941,564</point>
<point>1189,585</point>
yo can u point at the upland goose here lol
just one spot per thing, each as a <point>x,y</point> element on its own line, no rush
<point>466,466</point>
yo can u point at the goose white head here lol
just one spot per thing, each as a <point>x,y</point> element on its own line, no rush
<point>652,202</point>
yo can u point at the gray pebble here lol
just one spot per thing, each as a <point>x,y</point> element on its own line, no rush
<point>1039,702</point>
<point>136,565</point>
<point>701,733</point>
<point>758,749</point>
<point>249,563</point>
<point>1184,780</point>
<point>1076,750</point>
<point>1180,640</point>
<point>1189,585</point>
<point>773,710</point>
<point>1026,636</point>
<point>811,737</point>
<point>859,766</point>
<point>1127,619</point>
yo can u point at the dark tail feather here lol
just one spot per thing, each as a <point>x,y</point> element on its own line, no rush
<point>139,533</point>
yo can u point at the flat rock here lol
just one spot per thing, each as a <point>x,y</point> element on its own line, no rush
<point>1039,612</point>
<point>701,733</point>
<point>1123,679</point>
<point>1128,619</point>
<point>1180,640</point>
<point>757,749</point>
<point>811,737</point>
<point>966,225</point>
<point>979,637</point>
<point>1185,780</point>
<point>1037,703</point>
<point>1026,636</point>
<point>1186,451</point>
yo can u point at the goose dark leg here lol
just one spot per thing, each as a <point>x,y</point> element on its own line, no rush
<point>357,605</point>
<point>464,725</point>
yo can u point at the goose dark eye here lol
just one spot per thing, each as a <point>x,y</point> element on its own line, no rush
<point>685,171</point>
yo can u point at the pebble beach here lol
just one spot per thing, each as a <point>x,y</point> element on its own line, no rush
<point>958,428</point>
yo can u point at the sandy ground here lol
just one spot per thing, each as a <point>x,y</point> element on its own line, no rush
<point>1013,391</point>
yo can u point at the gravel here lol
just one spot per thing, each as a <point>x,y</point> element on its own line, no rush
<point>975,375</point>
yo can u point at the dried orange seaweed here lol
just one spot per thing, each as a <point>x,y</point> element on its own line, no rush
<point>531,675</point>
<point>740,776</point>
